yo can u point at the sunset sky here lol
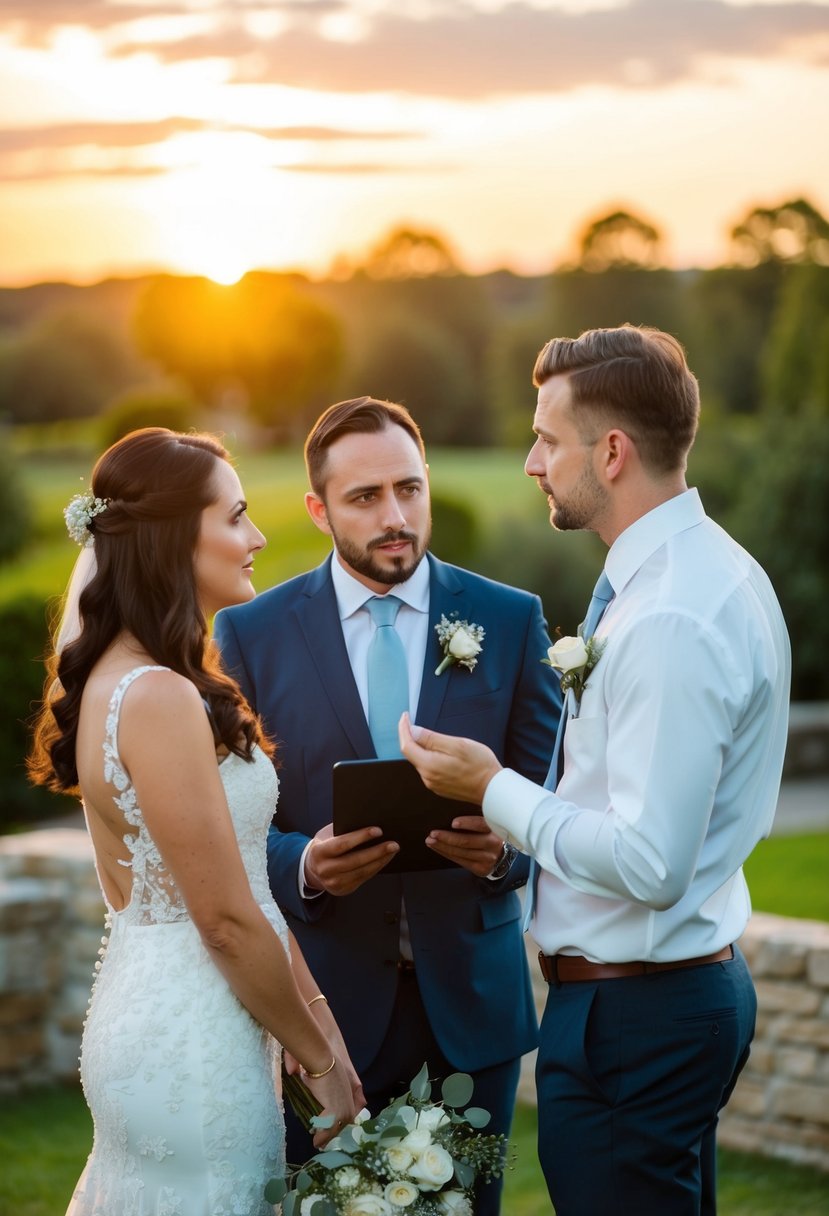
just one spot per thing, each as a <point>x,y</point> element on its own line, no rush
<point>213,138</point>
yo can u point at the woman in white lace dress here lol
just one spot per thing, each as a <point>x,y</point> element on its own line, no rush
<point>200,981</point>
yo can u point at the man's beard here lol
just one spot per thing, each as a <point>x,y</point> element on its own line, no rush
<point>579,511</point>
<point>362,562</point>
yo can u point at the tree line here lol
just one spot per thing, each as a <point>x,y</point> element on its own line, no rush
<point>272,351</point>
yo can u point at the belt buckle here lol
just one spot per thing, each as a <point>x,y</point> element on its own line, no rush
<point>549,968</point>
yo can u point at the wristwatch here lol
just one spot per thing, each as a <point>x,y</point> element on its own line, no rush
<point>504,862</point>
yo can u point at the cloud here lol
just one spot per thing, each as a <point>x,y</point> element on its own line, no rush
<point>464,52</point>
<point>97,134</point>
<point>138,134</point>
<point>364,168</point>
<point>47,174</point>
<point>49,142</point>
<point>455,49</point>
<point>34,21</point>
<point>327,134</point>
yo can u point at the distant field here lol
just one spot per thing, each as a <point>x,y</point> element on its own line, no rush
<point>491,482</point>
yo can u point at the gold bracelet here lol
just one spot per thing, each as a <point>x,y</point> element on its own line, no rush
<point>324,1073</point>
<point>319,997</point>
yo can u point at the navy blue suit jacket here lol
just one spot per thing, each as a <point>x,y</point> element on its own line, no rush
<point>287,651</point>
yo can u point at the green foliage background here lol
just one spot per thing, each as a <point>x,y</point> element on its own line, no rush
<point>257,362</point>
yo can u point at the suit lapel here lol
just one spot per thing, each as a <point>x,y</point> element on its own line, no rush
<point>320,624</point>
<point>445,590</point>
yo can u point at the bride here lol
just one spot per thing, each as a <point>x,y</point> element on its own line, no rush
<point>200,981</point>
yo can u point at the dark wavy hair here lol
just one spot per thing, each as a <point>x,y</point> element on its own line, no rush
<point>156,484</point>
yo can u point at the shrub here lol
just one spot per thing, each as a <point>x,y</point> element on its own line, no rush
<point>560,567</point>
<point>781,519</point>
<point>454,530</point>
<point>150,408</point>
<point>15,515</point>
<point>24,635</point>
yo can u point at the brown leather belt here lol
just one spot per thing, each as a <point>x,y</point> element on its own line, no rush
<point>405,966</point>
<point>569,969</point>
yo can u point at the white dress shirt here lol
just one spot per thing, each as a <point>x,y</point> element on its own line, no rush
<point>672,764</point>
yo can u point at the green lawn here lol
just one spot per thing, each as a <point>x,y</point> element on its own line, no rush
<point>787,875</point>
<point>45,1137</point>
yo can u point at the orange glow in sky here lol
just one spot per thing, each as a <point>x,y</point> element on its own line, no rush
<point>210,138</point>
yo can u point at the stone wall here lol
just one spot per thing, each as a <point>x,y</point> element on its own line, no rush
<point>51,924</point>
<point>781,1104</point>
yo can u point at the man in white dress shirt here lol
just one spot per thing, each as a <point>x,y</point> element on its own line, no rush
<point>672,758</point>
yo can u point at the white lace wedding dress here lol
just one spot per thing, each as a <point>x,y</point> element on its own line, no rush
<point>179,1077</point>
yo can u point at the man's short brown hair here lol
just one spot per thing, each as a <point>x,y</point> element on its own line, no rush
<point>359,415</point>
<point>635,378</point>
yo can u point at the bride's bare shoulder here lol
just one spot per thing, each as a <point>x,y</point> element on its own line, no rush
<point>164,692</point>
<point>155,695</point>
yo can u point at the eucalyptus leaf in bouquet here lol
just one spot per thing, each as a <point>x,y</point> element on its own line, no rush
<point>417,1155</point>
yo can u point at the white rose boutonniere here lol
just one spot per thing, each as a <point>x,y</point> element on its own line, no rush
<point>460,641</point>
<point>575,658</point>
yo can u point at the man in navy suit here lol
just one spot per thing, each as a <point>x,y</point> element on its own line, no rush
<point>424,965</point>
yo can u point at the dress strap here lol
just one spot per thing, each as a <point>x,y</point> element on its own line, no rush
<point>114,712</point>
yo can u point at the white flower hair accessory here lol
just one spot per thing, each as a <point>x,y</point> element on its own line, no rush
<point>574,659</point>
<point>460,641</point>
<point>79,514</point>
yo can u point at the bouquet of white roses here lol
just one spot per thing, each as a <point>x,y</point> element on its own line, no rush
<point>417,1155</point>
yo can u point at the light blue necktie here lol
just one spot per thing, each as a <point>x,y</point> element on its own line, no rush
<point>388,678</point>
<point>602,595</point>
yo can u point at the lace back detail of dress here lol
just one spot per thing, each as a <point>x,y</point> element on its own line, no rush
<point>155,899</point>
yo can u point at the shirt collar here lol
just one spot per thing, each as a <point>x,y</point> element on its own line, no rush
<point>352,594</point>
<point>641,540</point>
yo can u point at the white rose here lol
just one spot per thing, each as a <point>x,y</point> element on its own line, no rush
<point>308,1203</point>
<point>368,1205</point>
<point>433,1168</point>
<point>399,1158</point>
<point>431,1118</point>
<point>348,1178</point>
<point>462,646</point>
<point>568,653</point>
<point>417,1140</point>
<point>401,1193</point>
<point>454,1203</point>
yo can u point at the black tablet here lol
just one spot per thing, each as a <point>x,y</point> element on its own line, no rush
<point>389,794</point>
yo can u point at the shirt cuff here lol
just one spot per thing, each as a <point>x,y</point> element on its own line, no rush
<point>509,804</point>
<point>305,892</point>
